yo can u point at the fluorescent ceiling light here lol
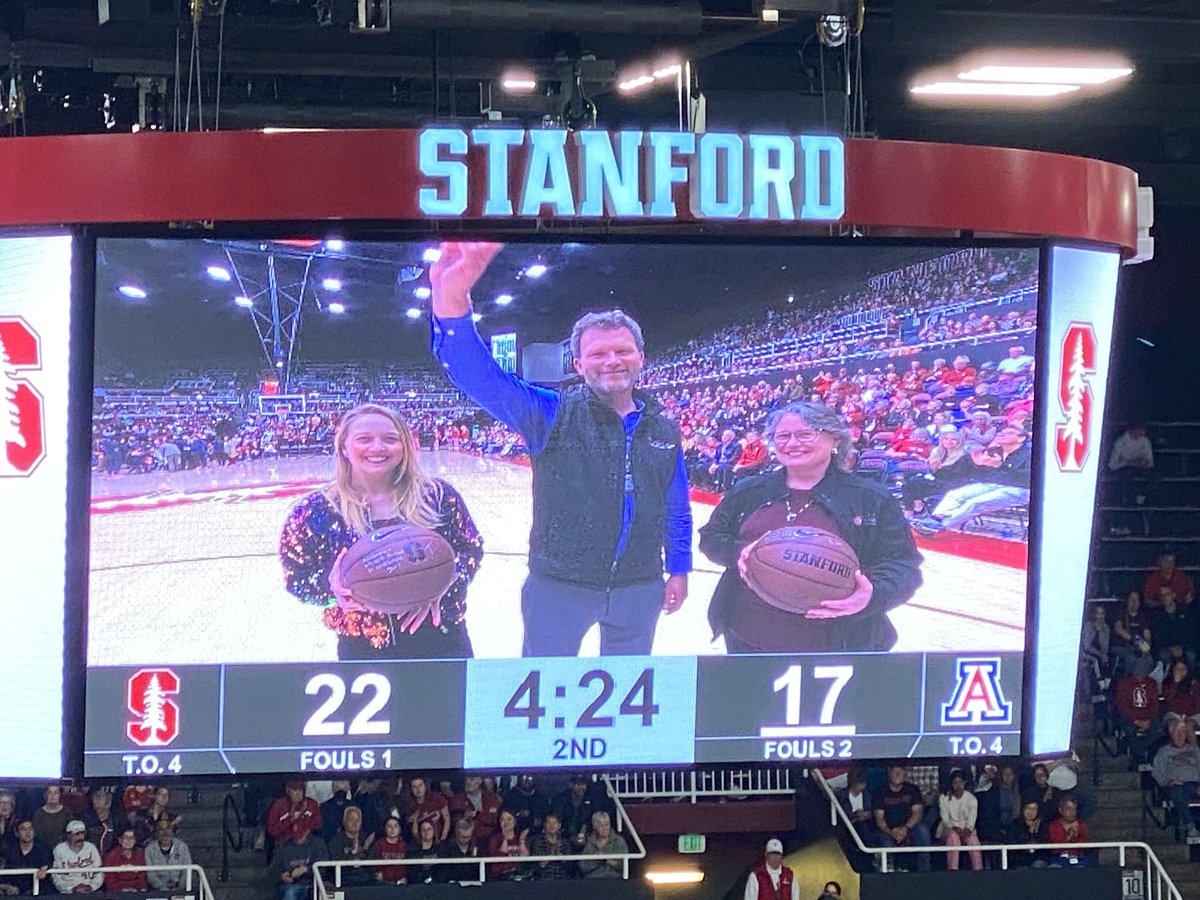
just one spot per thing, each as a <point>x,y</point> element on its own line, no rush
<point>243,302</point>
<point>431,255</point>
<point>332,284</point>
<point>413,313</point>
<point>132,291</point>
<point>476,317</point>
<point>770,16</point>
<point>674,876</point>
<point>504,299</point>
<point>537,270</point>
<point>218,273</point>
<point>422,293</point>
<point>337,308</point>
<point>991,89</point>
<point>519,85</point>
<point>1046,74</point>
<point>335,245</point>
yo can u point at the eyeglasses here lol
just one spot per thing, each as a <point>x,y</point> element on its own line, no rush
<point>782,438</point>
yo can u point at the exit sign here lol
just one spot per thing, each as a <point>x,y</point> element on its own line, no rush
<point>691,843</point>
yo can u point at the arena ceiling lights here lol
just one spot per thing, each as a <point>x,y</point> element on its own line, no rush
<point>1022,75</point>
<point>637,80</point>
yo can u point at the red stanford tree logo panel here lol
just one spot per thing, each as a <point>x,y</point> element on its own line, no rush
<point>1073,435</point>
<point>154,718</point>
<point>22,416</point>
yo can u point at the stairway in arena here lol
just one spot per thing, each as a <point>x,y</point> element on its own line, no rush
<point>202,829</point>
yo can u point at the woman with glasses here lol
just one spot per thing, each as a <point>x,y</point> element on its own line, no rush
<point>810,488</point>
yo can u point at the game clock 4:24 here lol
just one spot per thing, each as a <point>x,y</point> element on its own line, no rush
<point>546,713</point>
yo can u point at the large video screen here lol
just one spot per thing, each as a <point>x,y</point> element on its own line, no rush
<point>363,505</point>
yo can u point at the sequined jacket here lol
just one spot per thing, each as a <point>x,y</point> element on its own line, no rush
<point>315,533</point>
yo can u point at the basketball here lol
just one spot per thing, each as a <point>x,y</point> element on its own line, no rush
<point>796,569</point>
<point>399,569</point>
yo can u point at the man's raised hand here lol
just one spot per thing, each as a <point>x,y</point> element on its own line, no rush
<point>455,273</point>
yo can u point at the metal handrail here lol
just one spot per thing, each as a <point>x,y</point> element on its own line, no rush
<point>694,784</point>
<point>622,822</point>
<point>1156,873</point>
<point>229,841</point>
<point>201,879</point>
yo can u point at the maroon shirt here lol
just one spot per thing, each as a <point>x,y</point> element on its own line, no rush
<point>752,619</point>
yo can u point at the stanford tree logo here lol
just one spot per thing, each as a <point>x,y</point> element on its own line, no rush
<point>155,717</point>
<point>22,417</point>
<point>1073,437</point>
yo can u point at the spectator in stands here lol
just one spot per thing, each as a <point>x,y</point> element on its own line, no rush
<point>959,810</point>
<point>167,850</point>
<point>1130,635</point>
<point>75,799</point>
<point>1137,710</point>
<point>461,845</point>
<point>478,806</point>
<point>550,842</point>
<point>125,852</point>
<point>146,821</point>
<point>1000,807</point>
<point>28,852</point>
<point>77,854</point>
<point>526,803</point>
<point>104,825</point>
<point>754,456</point>
<point>574,809</point>
<point>8,819</point>
<point>1173,625</point>
<point>1043,793</point>
<point>507,841</point>
<point>899,811</point>
<point>1181,691</point>
<point>600,840</point>
<point>856,803</point>
<point>812,489</point>
<point>1068,828</point>
<point>392,846</point>
<point>378,482</point>
<point>1096,640</point>
<point>772,880</point>
<point>293,863</point>
<point>1018,361</point>
<point>1004,483</point>
<point>352,842</point>
<point>333,808</point>
<point>1177,771</point>
<point>432,808</point>
<point>1132,462</point>
<point>1031,828</point>
<point>137,797</point>
<point>1167,576</point>
<point>725,455</point>
<point>950,465</point>
<point>425,846</point>
<point>293,814</point>
<point>51,817</point>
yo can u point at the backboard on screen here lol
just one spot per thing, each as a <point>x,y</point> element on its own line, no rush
<point>216,641</point>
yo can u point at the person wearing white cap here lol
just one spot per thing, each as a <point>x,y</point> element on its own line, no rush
<point>772,880</point>
<point>77,853</point>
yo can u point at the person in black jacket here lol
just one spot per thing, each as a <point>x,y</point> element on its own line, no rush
<point>811,489</point>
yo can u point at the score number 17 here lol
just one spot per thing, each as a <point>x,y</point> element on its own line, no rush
<point>790,682</point>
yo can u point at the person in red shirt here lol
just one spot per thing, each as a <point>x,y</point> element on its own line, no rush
<point>427,807</point>
<point>125,853</point>
<point>391,846</point>
<point>753,458</point>
<point>293,814</point>
<point>1068,828</point>
<point>507,841</point>
<point>1181,692</point>
<point>137,797</point>
<point>1167,576</point>
<point>1137,710</point>
<point>479,806</point>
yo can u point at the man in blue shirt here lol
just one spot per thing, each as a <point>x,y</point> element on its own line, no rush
<point>610,490</point>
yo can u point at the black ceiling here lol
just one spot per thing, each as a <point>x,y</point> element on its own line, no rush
<point>280,66</point>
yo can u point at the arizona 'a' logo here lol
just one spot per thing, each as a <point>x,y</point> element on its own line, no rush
<point>155,721</point>
<point>1073,437</point>
<point>977,698</point>
<point>22,417</point>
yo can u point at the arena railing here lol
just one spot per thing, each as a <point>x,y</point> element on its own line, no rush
<point>1158,883</point>
<point>195,882</point>
<point>697,784</point>
<point>621,824</point>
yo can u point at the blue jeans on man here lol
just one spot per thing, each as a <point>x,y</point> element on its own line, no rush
<point>918,836</point>
<point>1180,796</point>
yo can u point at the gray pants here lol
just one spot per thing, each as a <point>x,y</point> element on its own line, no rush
<point>557,615</point>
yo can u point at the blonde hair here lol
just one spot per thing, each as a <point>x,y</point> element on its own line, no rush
<point>416,496</point>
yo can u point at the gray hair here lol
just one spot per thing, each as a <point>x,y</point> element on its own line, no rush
<point>608,319</point>
<point>818,417</point>
<point>600,818</point>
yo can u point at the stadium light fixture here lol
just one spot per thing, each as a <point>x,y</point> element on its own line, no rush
<point>244,302</point>
<point>422,293</point>
<point>636,80</point>
<point>413,313</point>
<point>337,309</point>
<point>1081,75</point>
<point>518,81</point>
<point>674,876</point>
<point>332,284</point>
<point>1011,90</point>
<point>132,291</point>
<point>504,299</point>
<point>476,317</point>
<point>336,245</point>
<point>537,270</point>
<point>218,273</point>
<point>431,255</point>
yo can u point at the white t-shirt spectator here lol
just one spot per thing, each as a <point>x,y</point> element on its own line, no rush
<point>86,857</point>
<point>1131,452</point>
<point>1014,365</point>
